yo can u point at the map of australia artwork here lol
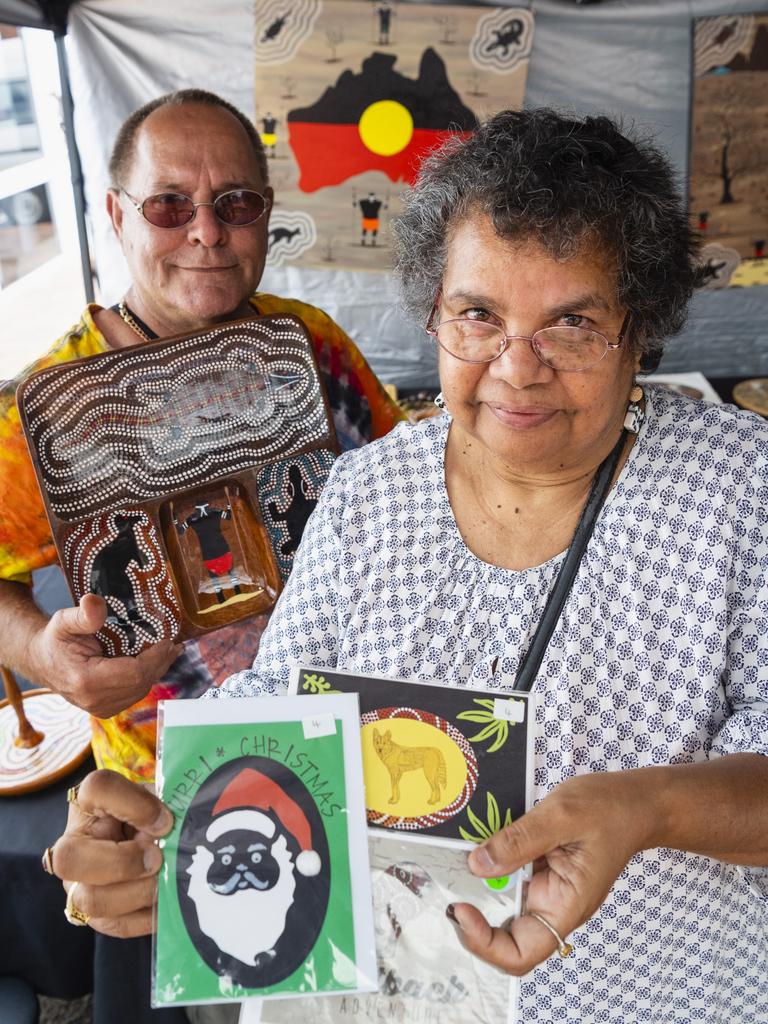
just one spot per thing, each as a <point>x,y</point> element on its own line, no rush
<point>728,193</point>
<point>351,95</point>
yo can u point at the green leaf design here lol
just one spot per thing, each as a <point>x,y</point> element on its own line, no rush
<point>469,837</point>
<point>482,829</point>
<point>489,730</point>
<point>479,826</point>
<point>494,818</point>
<point>475,716</point>
<point>498,728</point>
<point>500,740</point>
<point>316,684</point>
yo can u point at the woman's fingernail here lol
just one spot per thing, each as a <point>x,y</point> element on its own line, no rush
<point>450,913</point>
<point>153,858</point>
<point>482,859</point>
<point>163,823</point>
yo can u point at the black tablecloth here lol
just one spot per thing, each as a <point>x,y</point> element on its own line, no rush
<point>38,944</point>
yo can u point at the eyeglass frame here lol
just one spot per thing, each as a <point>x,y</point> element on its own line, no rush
<point>139,207</point>
<point>507,338</point>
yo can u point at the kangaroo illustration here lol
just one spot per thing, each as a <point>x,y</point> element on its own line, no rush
<point>281,234</point>
<point>110,579</point>
<point>398,759</point>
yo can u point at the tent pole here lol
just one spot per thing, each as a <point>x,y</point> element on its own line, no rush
<point>76,170</point>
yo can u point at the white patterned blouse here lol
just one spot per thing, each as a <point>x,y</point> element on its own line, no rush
<point>660,657</point>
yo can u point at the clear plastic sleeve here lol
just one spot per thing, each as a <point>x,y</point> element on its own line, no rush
<point>425,974</point>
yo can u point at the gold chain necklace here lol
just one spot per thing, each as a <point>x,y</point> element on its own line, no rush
<point>126,316</point>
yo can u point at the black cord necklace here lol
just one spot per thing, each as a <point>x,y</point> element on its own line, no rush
<point>601,485</point>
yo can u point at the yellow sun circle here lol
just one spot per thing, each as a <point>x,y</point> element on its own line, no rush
<point>386,127</point>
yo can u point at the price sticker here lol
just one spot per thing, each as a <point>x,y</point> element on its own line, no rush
<point>318,725</point>
<point>508,709</point>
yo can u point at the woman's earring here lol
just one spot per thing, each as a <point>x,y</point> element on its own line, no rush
<point>635,412</point>
<point>439,400</point>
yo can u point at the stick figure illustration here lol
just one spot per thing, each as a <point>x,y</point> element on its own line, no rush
<point>369,209</point>
<point>268,133</point>
<point>384,13</point>
<point>214,549</point>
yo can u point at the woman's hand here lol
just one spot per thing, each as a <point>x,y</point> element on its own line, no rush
<point>579,839</point>
<point>109,849</point>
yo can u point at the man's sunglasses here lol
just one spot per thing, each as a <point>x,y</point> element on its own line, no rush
<point>237,208</point>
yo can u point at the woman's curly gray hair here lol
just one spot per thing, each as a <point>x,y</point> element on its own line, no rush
<point>565,184</point>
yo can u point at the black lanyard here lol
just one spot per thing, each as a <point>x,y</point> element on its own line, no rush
<point>601,485</point>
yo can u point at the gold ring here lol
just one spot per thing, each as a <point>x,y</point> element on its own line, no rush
<point>72,795</point>
<point>48,860</point>
<point>563,948</point>
<point>71,912</point>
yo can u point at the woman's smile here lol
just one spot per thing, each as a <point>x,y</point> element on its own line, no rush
<point>524,417</point>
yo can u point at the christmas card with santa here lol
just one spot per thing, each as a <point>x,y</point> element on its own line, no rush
<point>265,888</point>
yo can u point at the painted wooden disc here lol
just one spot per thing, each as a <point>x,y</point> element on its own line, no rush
<point>419,769</point>
<point>752,395</point>
<point>66,743</point>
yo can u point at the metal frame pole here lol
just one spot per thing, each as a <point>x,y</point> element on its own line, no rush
<point>76,170</point>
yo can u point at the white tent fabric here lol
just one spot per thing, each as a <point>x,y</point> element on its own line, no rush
<point>628,57</point>
<point>22,13</point>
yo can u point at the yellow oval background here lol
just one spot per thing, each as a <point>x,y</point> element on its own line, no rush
<point>406,737</point>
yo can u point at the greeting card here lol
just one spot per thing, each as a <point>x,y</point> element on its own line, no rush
<point>443,762</point>
<point>265,888</point>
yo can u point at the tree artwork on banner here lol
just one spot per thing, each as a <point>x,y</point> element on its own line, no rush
<point>728,196</point>
<point>351,95</point>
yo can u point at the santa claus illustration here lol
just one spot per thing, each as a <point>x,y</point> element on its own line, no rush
<point>253,873</point>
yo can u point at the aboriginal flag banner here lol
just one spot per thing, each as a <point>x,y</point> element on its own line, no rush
<point>351,96</point>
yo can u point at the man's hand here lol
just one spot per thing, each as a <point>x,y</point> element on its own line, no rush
<point>109,849</point>
<point>67,657</point>
<point>579,838</point>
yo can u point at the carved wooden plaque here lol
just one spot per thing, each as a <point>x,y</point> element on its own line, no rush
<point>178,475</point>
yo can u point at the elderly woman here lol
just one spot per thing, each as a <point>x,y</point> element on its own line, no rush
<point>560,527</point>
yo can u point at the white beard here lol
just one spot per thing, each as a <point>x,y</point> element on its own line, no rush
<point>245,923</point>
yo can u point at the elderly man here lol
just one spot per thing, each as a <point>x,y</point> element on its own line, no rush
<point>190,205</point>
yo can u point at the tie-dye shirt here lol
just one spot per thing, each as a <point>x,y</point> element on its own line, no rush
<point>361,411</point>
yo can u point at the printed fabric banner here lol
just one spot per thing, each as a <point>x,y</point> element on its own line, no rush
<point>352,95</point>
<point>729,146</point>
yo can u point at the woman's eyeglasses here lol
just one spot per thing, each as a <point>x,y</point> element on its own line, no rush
<point>237,208</point>
<point>562,348</point>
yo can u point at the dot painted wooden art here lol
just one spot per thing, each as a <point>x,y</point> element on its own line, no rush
<point>178,475</point>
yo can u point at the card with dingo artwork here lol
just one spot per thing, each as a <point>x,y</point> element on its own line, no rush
<point>448,763</point>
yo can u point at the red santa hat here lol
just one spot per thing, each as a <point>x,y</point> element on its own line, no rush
<point>242,804</point>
